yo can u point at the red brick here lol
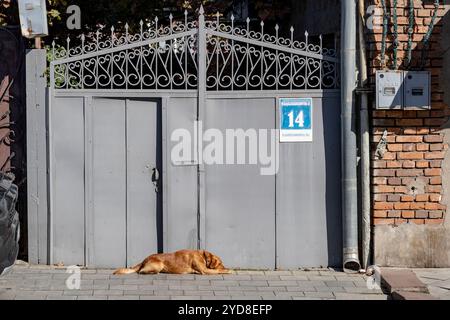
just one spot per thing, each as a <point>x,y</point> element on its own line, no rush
<point>383,206</point>
<point>395,147</point>
<point>421,214</point>
<point>436,147</point>
<point>433,138</point>
<point>417,221</point>
<point>434,221</point>
<point>408,214</point>
<point>436,164</point>
<point>417,205</point>
<point>379,180</point>
<point>422,197</point>
<point>380,214</point>
<point>409,122</point>
<point>434,206</point>
<point>434,189</point>
<point>409,164</point>
<point>435,197</point>
<point>383,173</point>
<point>402,206</point>
<point>383,189</point>
<point>436,214</point>
<point>422,147</point>
<point>394,214</point>
<point>436,180</point>
<point>435,155</point>
<point>422,164</point>
<point>409,173</point>
<point>393,164</point>
<point>407,198</point>
<point>393,198</point>
<point>410,155</point>
<point>383,221</point>
<point>409,139</point>
<point>433,172</point>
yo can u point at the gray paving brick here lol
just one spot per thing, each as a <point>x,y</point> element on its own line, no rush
<point>259,293</point>
<point>58,297</point>
<point>154,297</point>
<point>22,296</point>
<point>272,289</point>
<point>241,288</point>
<point>238,277</point>
<point>282,283</point>
<point>109,281</point>
<point>127,297</point>
<point>330,289</point>
<point>94,276</point>
<point>246,297</point>
<point>168,292</point>
<point>362,290</point>
<point>322,278</point>
<point>216,297</point>
<point>198,293</point>
<point>167,282</point>
<point>315,283</point>
<point>214,288</point>
<point>249,272</point>
<point>139,292</point>
<point>78,292</point>
<point>290,294</point>
<point>339,283</point>
<point>266,278</point>
<point>123,287</point>
<point>108,292</point>
<point>92,297</point>
<point>277,298</point>
<point>152,287</point>
<point>186,297</point>
<point>138,281</point>
<point>319,294</point>
<point>209,277</point>
<point>278,273</point>
<point>224,283</point>
<point>183,287</point>
<point>294,278</point>
<point>198,283</point>
<point>253,283</point>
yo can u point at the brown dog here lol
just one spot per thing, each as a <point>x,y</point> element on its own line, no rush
<point>180,262</point>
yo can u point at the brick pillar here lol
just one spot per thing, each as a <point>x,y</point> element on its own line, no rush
<point>407,180</point>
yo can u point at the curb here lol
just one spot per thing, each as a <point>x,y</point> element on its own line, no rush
<point>403,284</point>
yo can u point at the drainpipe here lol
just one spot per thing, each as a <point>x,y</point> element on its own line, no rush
<point>348,137</point>
<point>365,142</point>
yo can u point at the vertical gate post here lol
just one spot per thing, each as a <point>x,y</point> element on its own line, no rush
<point>37,156</point>
<point>201,107</point>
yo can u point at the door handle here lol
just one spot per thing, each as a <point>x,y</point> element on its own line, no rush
<point>155,178</point>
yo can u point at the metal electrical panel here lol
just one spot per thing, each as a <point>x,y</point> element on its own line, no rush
<point>389,86</point>
<point>403,90</point>
<point>417,90</point>
<point>33,18</point>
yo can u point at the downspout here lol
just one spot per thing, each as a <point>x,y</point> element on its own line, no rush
<point>365,142</point>
<point>348,137</point>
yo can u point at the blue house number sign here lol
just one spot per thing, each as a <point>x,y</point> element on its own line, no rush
<point>296,120</point>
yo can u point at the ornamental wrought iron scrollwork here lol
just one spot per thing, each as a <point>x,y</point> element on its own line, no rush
<point>166,57</point>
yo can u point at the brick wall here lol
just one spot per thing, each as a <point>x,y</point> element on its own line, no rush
<point>407,181</point>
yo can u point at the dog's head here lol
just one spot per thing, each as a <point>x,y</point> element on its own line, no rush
<point>213,261</point>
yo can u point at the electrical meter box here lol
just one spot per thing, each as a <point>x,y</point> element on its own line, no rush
<point>33,18</point>
<point>389,87</point>
<point>416,86</point>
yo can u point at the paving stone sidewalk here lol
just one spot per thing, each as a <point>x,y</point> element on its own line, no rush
<point>45,282</point>
<point>437,281</point>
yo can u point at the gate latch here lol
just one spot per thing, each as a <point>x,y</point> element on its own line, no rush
<point>155,178</point>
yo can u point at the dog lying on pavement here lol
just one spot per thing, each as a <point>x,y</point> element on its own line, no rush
<point>180,262</point>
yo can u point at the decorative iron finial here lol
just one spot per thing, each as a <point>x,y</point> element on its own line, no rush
<point>201,11</point>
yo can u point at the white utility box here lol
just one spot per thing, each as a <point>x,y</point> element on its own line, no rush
<point>33,18</point>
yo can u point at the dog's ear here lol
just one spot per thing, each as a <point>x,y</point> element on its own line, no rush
<point>208,258</point>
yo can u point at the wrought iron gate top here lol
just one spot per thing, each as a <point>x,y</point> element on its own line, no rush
<point>167,58</point>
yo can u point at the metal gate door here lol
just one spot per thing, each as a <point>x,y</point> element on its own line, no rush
<point>221,75</point>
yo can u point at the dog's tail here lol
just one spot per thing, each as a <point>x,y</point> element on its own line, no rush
<point>134,269</point>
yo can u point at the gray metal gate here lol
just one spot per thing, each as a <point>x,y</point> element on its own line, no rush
<point>114,99</point>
